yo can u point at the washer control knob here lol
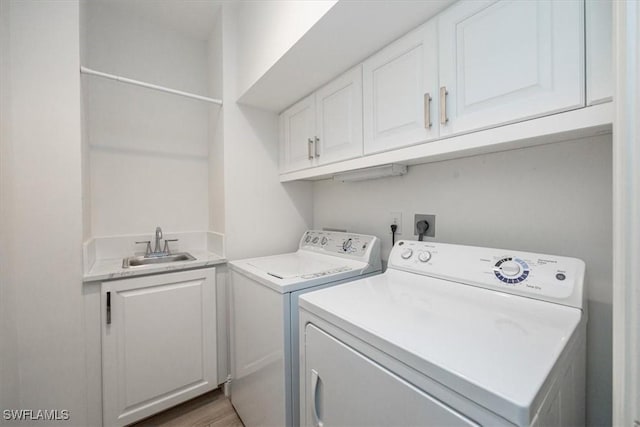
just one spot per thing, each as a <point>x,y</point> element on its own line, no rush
<point>424,256</point>
<point>308,239</point>
<point>346,245</point>
<point>406,254</point>
<point>511,269</point>
<point>324,241</point>
<point>315,240</point>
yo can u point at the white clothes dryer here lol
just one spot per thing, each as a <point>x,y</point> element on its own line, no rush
<point>448,335</point>
<point>264,318</point>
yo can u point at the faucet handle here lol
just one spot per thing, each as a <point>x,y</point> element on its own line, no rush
<point>166,245</point>
<point>148,250</point>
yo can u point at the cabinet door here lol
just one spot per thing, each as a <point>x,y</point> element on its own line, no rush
<point>599,54</point>
<point>298,133</point>
<point>345,388</point>
<point>507,61</point>
<point>398,83</point>
<point>339,118</point>
<point>158,343</point>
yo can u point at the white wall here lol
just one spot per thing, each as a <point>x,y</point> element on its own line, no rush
<point>553,199</point>
<point>216,126</point>
<point>42,153</point>
<point>216,189</point>
<point>84,122</point>
<point>9,383</point>
<point>258,215</point>
<point>262,216</point>
<point>267,29</point>
<point>148,150</point>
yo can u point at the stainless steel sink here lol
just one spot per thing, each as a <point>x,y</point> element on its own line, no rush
<point>138,261</point>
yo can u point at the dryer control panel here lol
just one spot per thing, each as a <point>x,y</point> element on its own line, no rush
<point>347,245</point>
<point>546,277</point>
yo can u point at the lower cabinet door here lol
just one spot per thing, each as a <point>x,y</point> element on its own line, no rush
<point>158,343</point>
<point>345,388</point>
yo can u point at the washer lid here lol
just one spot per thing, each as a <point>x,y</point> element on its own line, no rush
<point>299,270</point>
<point>289,267</point>
<point>494,348</point>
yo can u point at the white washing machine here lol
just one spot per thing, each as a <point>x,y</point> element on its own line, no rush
<point>448,335</point>
<point>264,318</point>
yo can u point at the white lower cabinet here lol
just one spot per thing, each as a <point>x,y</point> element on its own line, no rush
<point>345,388</point>
<point>509,60</point>
<point>158,342</point>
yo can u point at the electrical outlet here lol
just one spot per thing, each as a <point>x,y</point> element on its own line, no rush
<point>395,218</point>
<point>431,219</point>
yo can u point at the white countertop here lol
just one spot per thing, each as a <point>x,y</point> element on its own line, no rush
<point>108,269</point>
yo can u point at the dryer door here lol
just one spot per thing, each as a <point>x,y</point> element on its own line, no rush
<point>345,388</point>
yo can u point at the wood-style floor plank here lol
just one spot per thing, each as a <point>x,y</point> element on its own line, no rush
<point>211,409</point>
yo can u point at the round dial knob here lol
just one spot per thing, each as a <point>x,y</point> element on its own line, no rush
<point>324,241</point>
<point>424,256</point>
<point>315,240</point>
<point>406,254</point>
<point>346,245</point>
<point>308,239</point>
<point>510,269</point>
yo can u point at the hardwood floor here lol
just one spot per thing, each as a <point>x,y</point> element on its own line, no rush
<point>212,409</point>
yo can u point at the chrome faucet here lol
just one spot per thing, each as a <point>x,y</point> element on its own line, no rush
<point>156,248</point>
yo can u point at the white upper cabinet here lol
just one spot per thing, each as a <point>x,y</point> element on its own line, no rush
<point>485,67</point>
<point>599,54</point>
<point>325,127</point>
<point>339,118</point>
<point>400,84</point>
<point>297,127</point>
<point>506,61</point>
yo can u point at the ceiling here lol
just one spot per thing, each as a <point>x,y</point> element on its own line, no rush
<point>194,18</point>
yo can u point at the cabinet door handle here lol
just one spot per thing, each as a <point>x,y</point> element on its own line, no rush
<point>427,111</point>
<point>315,382</point>
<point>443,105</point>
<point>310,148</point>
<point>108,308</point>
<point>317,146</point>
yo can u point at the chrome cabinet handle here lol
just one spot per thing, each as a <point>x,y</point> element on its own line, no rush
<point>108,308</point>
<point>310,148</point>
<point>315,382</point>
<point>443,105</point>
<point>316,141</point>
<point>427,111</point>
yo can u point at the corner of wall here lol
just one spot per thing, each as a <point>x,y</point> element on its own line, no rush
<point>262,216</point>
<point>9,382</point>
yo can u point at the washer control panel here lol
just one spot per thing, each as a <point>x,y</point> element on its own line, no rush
<point>546,277</point>
<point>349,245</point>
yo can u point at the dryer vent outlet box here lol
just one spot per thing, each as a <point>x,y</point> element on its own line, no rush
<point>431,219</point>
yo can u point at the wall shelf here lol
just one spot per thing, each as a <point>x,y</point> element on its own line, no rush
<point>580,123</point>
